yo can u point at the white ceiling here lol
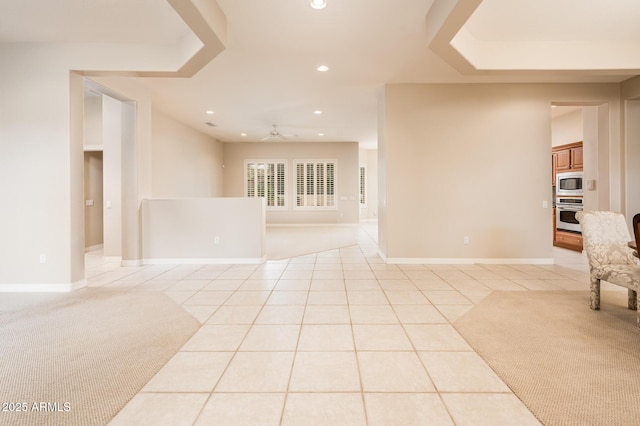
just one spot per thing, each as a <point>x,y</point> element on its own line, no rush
<point>553,20</point>
<point>573,35</point>
<point>118,21</point>
<point>266,75</point>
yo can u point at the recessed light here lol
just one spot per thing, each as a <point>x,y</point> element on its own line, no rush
<point>317,112</point>
<point>323,68</point>
<point>210,112</point>
<point>243,134</point>
<point>320,134</point>
<point>318,4</point>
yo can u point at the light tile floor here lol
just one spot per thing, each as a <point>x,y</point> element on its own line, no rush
<point>330,338</point>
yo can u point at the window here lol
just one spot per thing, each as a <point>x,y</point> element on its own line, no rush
<point>316,184</point>
<point>363,185</point>
<point>266,179</point>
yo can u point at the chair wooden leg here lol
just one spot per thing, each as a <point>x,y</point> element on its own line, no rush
<point>633,297</point>
<point>638,313</point>
<point>595,293</point>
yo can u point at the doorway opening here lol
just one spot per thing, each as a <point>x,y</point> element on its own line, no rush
<point>109,137</point>
<point>580,159</point>
<point>94,200</point>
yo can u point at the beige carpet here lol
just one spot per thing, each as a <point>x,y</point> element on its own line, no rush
<point>568,364</point>
<point>85,354</point>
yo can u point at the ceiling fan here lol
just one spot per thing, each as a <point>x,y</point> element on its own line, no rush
<point>275,134</point>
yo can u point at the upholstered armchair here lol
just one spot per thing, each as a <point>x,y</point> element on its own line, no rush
<point>606,235</point>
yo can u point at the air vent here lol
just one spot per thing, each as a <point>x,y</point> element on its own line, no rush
<point>210,124</point>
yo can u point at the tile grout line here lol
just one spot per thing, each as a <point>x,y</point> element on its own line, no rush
<point>355,350</point>
<point>213,389</point>
<point>295,355</point>
<point>351,324</point>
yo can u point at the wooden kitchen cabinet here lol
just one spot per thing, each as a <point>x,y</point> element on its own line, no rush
<point>576,157</point>
<point>563,160</point>
<point>566,158</point>
<point>568,240</point>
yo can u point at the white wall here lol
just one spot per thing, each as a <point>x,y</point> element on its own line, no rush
<point>631,100</point>
<point>112,167</point>
<point>347,189</point>
<point>596,157</point>
<point>41,160</point>
<point>41,156</point>
<point>567,128</point>
<point>76,181</point>
<point>203,230</point>
<point>382,176</point>
<point>369,158</point>
<point>36,166</point>
<point>136,131</point>
<point>473,160</point>
<point>633,158</point>
<point>186,163</point>
<point>92,119</point>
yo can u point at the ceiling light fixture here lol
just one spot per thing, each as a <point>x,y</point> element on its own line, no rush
<point>210,112</point>
<point>323,68</point>
<point>318,4</point>
<point>317,112</point>
<point>243,134</point>
<point>320,134</point>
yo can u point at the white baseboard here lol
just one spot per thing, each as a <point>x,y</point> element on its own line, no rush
<point>42,287</point>
<point>112,258</point>
<point>78,284</point>
<point>135,262</point>
<point>302,225</point>
<point>468,261</point>
<point>92,248</point>
<point>205,261</point>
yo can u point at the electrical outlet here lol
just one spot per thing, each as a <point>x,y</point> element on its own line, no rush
<point>43,258</point>
<point>216,240</point>
<point>465,240</point>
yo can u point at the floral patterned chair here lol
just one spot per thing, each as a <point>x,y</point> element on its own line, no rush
<point>606,235</point>
<point>636,233</point>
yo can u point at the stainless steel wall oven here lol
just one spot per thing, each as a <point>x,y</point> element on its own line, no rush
<point>566,209</point>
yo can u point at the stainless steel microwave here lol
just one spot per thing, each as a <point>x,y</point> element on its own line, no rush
<point>569,183</point>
